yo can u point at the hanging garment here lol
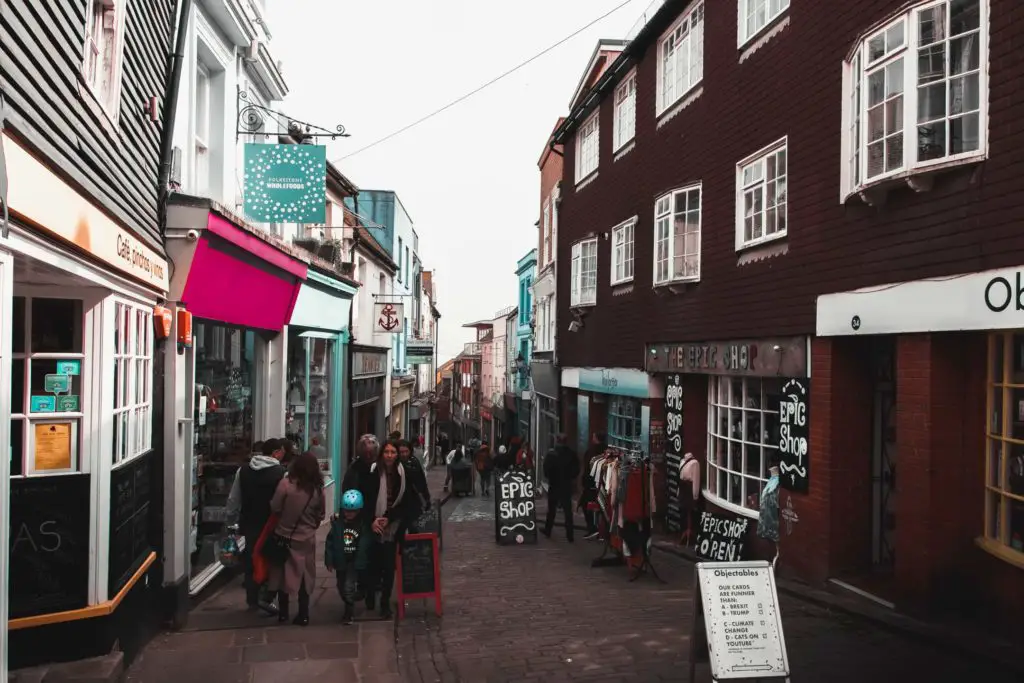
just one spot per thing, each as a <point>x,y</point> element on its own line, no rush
<point>768,521</point>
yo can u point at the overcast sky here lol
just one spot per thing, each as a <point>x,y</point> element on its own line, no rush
<point>469,176</point>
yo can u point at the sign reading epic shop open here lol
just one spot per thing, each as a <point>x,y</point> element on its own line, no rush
<point>286,183</point>
<point>721,538</point>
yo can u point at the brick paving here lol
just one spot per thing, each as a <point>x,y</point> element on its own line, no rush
<point>224,643</point>
<point>541,613</point>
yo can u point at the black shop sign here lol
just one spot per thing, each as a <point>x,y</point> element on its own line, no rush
<point>794,435</point>
<point>515,513</point>
<point>721,538</point>
<point>49,564</point>
<point>419,571</point>
<point>130,519</point>
<point>673,447</point>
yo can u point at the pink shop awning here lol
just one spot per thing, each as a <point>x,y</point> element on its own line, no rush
<point>239,279</point>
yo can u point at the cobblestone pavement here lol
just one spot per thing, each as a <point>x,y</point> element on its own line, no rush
<point>541,613</point>
<point>223,643</point>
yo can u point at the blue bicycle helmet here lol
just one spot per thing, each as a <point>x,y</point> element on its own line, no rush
<point>352,500</point>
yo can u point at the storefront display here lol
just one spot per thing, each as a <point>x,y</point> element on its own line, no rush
<point>1004,462</point>
<point>624,424</point>
<point>369,373</point>
<point>308,400</point>
<point>225,381</point>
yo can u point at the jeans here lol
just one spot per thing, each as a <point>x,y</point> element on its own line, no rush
<point>348,583</point>
<point>559,499</point>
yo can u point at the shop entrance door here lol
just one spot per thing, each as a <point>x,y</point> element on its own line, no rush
<point>883,466</point>
<point>6,291</point>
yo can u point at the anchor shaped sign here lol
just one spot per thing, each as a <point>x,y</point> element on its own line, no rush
<point>390,318</point>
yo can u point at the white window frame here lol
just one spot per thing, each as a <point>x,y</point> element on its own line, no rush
<point>545,255</point>
<point>742,412</point>
<point>665,221</point>
<point>132,436</point>
<point>624,128</point>
<point>203,125</point>
<point>103,52</point>
<point>858,69</point>
<point>623,252</point>
<point>588,147</point>
<point>680,47</point>
<point>584,282</point>
<point>760,163</point>
<point>764,14</point>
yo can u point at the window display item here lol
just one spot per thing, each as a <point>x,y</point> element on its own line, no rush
<point>768,521</point>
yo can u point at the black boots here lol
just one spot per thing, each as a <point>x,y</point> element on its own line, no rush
<point>282,607</point>
<point>349,614</point>
<point>302,618</point>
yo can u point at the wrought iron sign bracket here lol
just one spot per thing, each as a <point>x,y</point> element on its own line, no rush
<point>253,119</point>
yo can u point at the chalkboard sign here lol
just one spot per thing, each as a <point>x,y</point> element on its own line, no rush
<point>673,449</point>
<point>794,434</point>
<point>419,570</point>
<point>429,523</point>
<point>129,520</point>
<point>49,563</point>
<point>721,538</point>
<point>515,513</point>
<point>738,625</point>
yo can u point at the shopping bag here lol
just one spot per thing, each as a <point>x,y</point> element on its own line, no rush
<point>260,565</point>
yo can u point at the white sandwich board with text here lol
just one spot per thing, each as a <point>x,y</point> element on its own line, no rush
<point>741,620</point>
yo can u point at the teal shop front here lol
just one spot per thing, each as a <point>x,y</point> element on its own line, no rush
<point>315,391</point>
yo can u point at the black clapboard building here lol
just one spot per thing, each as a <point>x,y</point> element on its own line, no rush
<point>84,86</point>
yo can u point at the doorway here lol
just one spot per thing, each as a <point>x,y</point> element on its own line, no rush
<point>884,455</point>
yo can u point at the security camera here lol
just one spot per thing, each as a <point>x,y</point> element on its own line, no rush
<point>575,326</point>
<point>192,235</point>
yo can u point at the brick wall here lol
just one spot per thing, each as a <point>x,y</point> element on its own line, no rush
<point>790,86</point>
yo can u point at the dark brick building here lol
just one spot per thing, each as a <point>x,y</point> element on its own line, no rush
<point>825,193</point>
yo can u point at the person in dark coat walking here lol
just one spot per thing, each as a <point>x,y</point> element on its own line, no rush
<point>598,445</point>
<point>249,507</point>
<point>415,474</point>
<point>561,468</point>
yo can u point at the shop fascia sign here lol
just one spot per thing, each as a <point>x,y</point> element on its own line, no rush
<point>45,200</point>
<point>755,358</point>
<point>286,183</point>
<point>986,300</point>
<point>617,381</point>
<point>368,364</point>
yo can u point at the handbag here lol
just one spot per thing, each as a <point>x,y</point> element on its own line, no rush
<point>277,548</point>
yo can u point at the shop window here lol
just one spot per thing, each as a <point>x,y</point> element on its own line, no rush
<point>624,424</point>
<point>743,430</point>
<point>1004,453</point>
<point>133,382</point>
<point>46,386</point>
<point>308,406</point>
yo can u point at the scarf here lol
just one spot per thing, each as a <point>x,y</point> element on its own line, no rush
<point>382,493</point>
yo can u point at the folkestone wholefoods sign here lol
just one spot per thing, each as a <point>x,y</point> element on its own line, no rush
<point>286,183</point>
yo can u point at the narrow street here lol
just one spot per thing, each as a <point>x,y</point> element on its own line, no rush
<point>541,613</point>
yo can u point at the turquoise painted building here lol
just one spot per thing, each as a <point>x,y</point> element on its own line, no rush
<point>526,271</point>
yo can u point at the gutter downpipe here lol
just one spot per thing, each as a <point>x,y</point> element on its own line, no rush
<point>351,436</point>
<point>171,109</point>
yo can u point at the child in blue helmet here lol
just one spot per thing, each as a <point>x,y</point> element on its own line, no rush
<point>347,551</point>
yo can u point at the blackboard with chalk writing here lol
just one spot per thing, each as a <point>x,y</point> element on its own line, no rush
<point>721,537</point>
<point>418,566</point>
<point>515,512</point>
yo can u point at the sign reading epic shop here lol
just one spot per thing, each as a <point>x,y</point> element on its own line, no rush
<point>754,358</point>
<point>286,183</point>
<point>515,518</point>
<point>794,434</point>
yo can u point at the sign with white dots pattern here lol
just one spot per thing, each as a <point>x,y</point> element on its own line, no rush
<point>285,183</point>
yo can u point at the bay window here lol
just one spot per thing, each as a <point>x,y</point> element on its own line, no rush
<point>587,141</point>
<point>583,273</point>
<point>622,252</point>
<point>681,58</point>
<point>743,430</point>
<point>761,188</point>
<point>916,92</point>
<point>677,236</point>
<point>625,112</point>
<point>1004,448</point>
<point>133,382</point>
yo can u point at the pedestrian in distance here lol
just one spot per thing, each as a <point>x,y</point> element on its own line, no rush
<point>347,550</point>
<point>248,508</point>
<point>393,507</point>
<point>561,468</point>
<point>299,505</point>
<point>484,462</point>
<point>415,474</point>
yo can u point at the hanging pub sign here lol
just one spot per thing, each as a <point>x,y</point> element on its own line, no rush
<point>673,448</point>
<point>390,318</point>
<point>794,434</point>
<point>286,183</point>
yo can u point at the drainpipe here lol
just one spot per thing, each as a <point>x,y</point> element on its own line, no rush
<point>349,352</point>
<point>175,60</point>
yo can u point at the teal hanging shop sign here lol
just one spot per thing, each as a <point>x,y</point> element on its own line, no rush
<point>286,183</point>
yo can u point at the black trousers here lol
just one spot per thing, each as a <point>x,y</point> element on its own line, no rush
<point>559,499</point>
<point>282,602</point>
<point>384,559</point>
<point>252,589</point>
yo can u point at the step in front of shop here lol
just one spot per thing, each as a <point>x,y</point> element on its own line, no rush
<point>108,669</point>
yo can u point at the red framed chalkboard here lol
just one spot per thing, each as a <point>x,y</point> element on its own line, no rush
<point>419,571</point>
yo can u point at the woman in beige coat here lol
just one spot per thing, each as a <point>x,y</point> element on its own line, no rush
<point>298,503</point>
